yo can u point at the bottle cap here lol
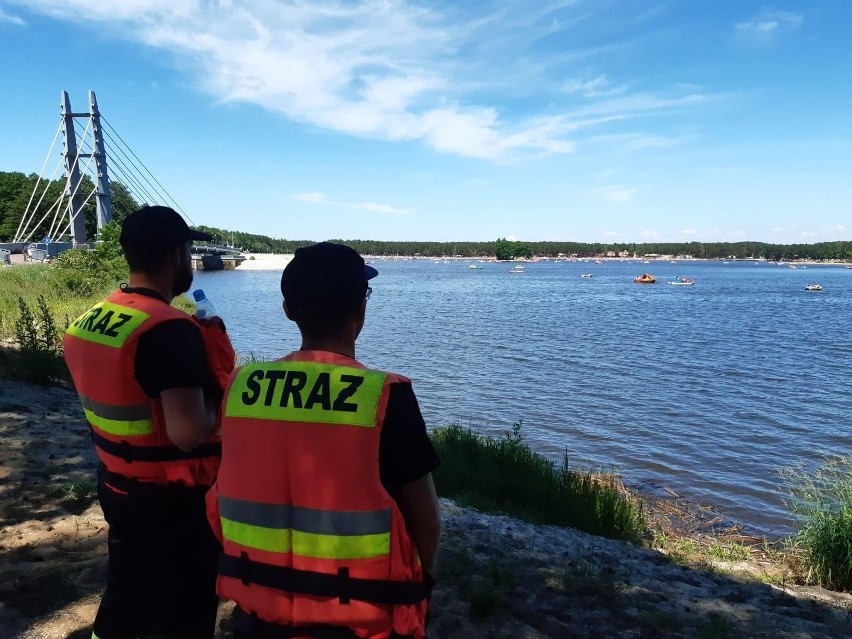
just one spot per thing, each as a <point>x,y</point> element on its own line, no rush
<point>198,294</point>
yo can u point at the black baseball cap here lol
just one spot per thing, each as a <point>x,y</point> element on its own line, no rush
<point>156,229</point>
<point>325,278</point>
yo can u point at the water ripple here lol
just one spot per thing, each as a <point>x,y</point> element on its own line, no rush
<point>708,389</point>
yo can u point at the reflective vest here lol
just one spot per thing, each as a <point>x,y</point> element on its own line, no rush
<point>127,426</point>
<point>310,536</point>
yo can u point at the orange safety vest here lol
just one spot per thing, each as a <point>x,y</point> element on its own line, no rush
<point>128,428</point>
<point>310,535</point>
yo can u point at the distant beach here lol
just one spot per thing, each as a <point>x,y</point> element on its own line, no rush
<point>265,261</point>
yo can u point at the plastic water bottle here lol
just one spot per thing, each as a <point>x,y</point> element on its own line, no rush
<point>204,307</point>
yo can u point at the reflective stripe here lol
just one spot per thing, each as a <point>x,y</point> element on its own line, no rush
<point>117,413</point>
<point>304,544</point>
<point>107,324</point>
<point>309,520</point>
<point>118,420</point>
<point>306,392</point>
<point>94,636</point>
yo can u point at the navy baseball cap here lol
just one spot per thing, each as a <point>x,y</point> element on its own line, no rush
<point>154,230</point>
<point>325,278</point>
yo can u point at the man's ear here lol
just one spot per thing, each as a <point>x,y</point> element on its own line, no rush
<point>287,312</point>
<point>174,257</point>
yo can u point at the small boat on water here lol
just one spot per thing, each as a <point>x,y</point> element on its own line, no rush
<point>475,267</point>
<point>813,287</point>
<point>517,269</point>
<point>682,281</point>
<point>587,275</point>
<point>645,278</point>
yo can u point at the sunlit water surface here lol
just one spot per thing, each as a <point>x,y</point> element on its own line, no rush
<point>706,389</point>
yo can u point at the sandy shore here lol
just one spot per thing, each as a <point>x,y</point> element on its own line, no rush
<point>497,576</point>
<point>265,262</point>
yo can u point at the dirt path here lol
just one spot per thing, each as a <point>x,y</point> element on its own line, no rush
<point>498,577</point>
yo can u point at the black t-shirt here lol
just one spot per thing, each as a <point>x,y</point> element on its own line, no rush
<point>405,450</point>
<point>171,355</point>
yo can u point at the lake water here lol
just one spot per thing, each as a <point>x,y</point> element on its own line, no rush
<point>706,389</point>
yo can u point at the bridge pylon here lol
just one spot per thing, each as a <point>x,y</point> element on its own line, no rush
<point>71,157</point>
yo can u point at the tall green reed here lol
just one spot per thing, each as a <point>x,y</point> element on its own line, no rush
<point>505,475</point>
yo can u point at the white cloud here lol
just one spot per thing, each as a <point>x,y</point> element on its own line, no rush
<point>651,234</point>
<point>383,69</point>
<point>317,197</point>
<point>6,17</point>
<point>837,228</point>
<point>610,233</point>
<point>379,208</point>
<point>313,196</point>
<point>599,86</point>
<point>689,232</point>
<point>636,141</point>
<point>617,193</point>
<point>777,230</point>
<point>511,238</point>
<point>809,233</point>
<point>767,26</point>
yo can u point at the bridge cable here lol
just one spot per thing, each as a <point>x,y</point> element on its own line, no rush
<point>58,202</point>
<point>35,187</point>
<point>79,210</point>
<point>131,182</point>
<point>177,206</point>
<point>64,188</point>
<point>157,197</point>
<point>24,227</point>
<point>85,171</point>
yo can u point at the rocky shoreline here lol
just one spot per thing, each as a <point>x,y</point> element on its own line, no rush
<point>497,576</point>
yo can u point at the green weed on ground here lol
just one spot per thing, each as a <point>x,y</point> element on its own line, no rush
<point>38,358</point>
<point>821,501</point>
<point>70,285</point>
<point>505,475</point>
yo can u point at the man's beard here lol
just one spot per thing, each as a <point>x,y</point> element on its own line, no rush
<point>183,279</point>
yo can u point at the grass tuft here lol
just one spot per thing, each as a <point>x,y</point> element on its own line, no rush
<point>821,501</point>
<point>506,476</point>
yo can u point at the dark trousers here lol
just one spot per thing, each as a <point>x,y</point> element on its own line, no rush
<point>250,627</point>
<point>162,563</point>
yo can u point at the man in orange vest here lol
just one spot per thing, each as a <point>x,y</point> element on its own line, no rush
<point>144,374</point>
<point>324,501</point>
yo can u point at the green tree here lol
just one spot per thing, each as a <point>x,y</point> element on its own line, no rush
<point>503,249</point>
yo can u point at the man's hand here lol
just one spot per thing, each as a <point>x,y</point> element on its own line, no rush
<point>189,416</point>
<point>211,321</point>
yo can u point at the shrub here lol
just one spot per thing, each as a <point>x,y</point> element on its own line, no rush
<point>39,357</point>
<point>821,502</point>
<point>505,475</point>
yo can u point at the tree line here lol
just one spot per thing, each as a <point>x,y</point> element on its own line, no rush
<point>508,249</point>
<point>16,190</point>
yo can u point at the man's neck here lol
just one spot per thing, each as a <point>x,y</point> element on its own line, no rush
<point>341,347</point>
<point>145,280</point>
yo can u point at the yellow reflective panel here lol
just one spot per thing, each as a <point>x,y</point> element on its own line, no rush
<point>306,392</point>
<point>118,427</point>
<point>285,540</point>
<point>337,547</point>
<point>269,539</point>
<point>107,324</point>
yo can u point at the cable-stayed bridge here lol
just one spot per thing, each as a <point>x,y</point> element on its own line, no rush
<point>71,210</point>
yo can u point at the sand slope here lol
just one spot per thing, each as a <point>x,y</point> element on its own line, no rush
<point>498,577</point>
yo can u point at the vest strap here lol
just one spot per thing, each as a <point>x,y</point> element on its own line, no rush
<point>249,625</point>
<point>130,453</point>
<point>318,584</point>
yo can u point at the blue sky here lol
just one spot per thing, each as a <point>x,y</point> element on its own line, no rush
<point>586,120</point>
